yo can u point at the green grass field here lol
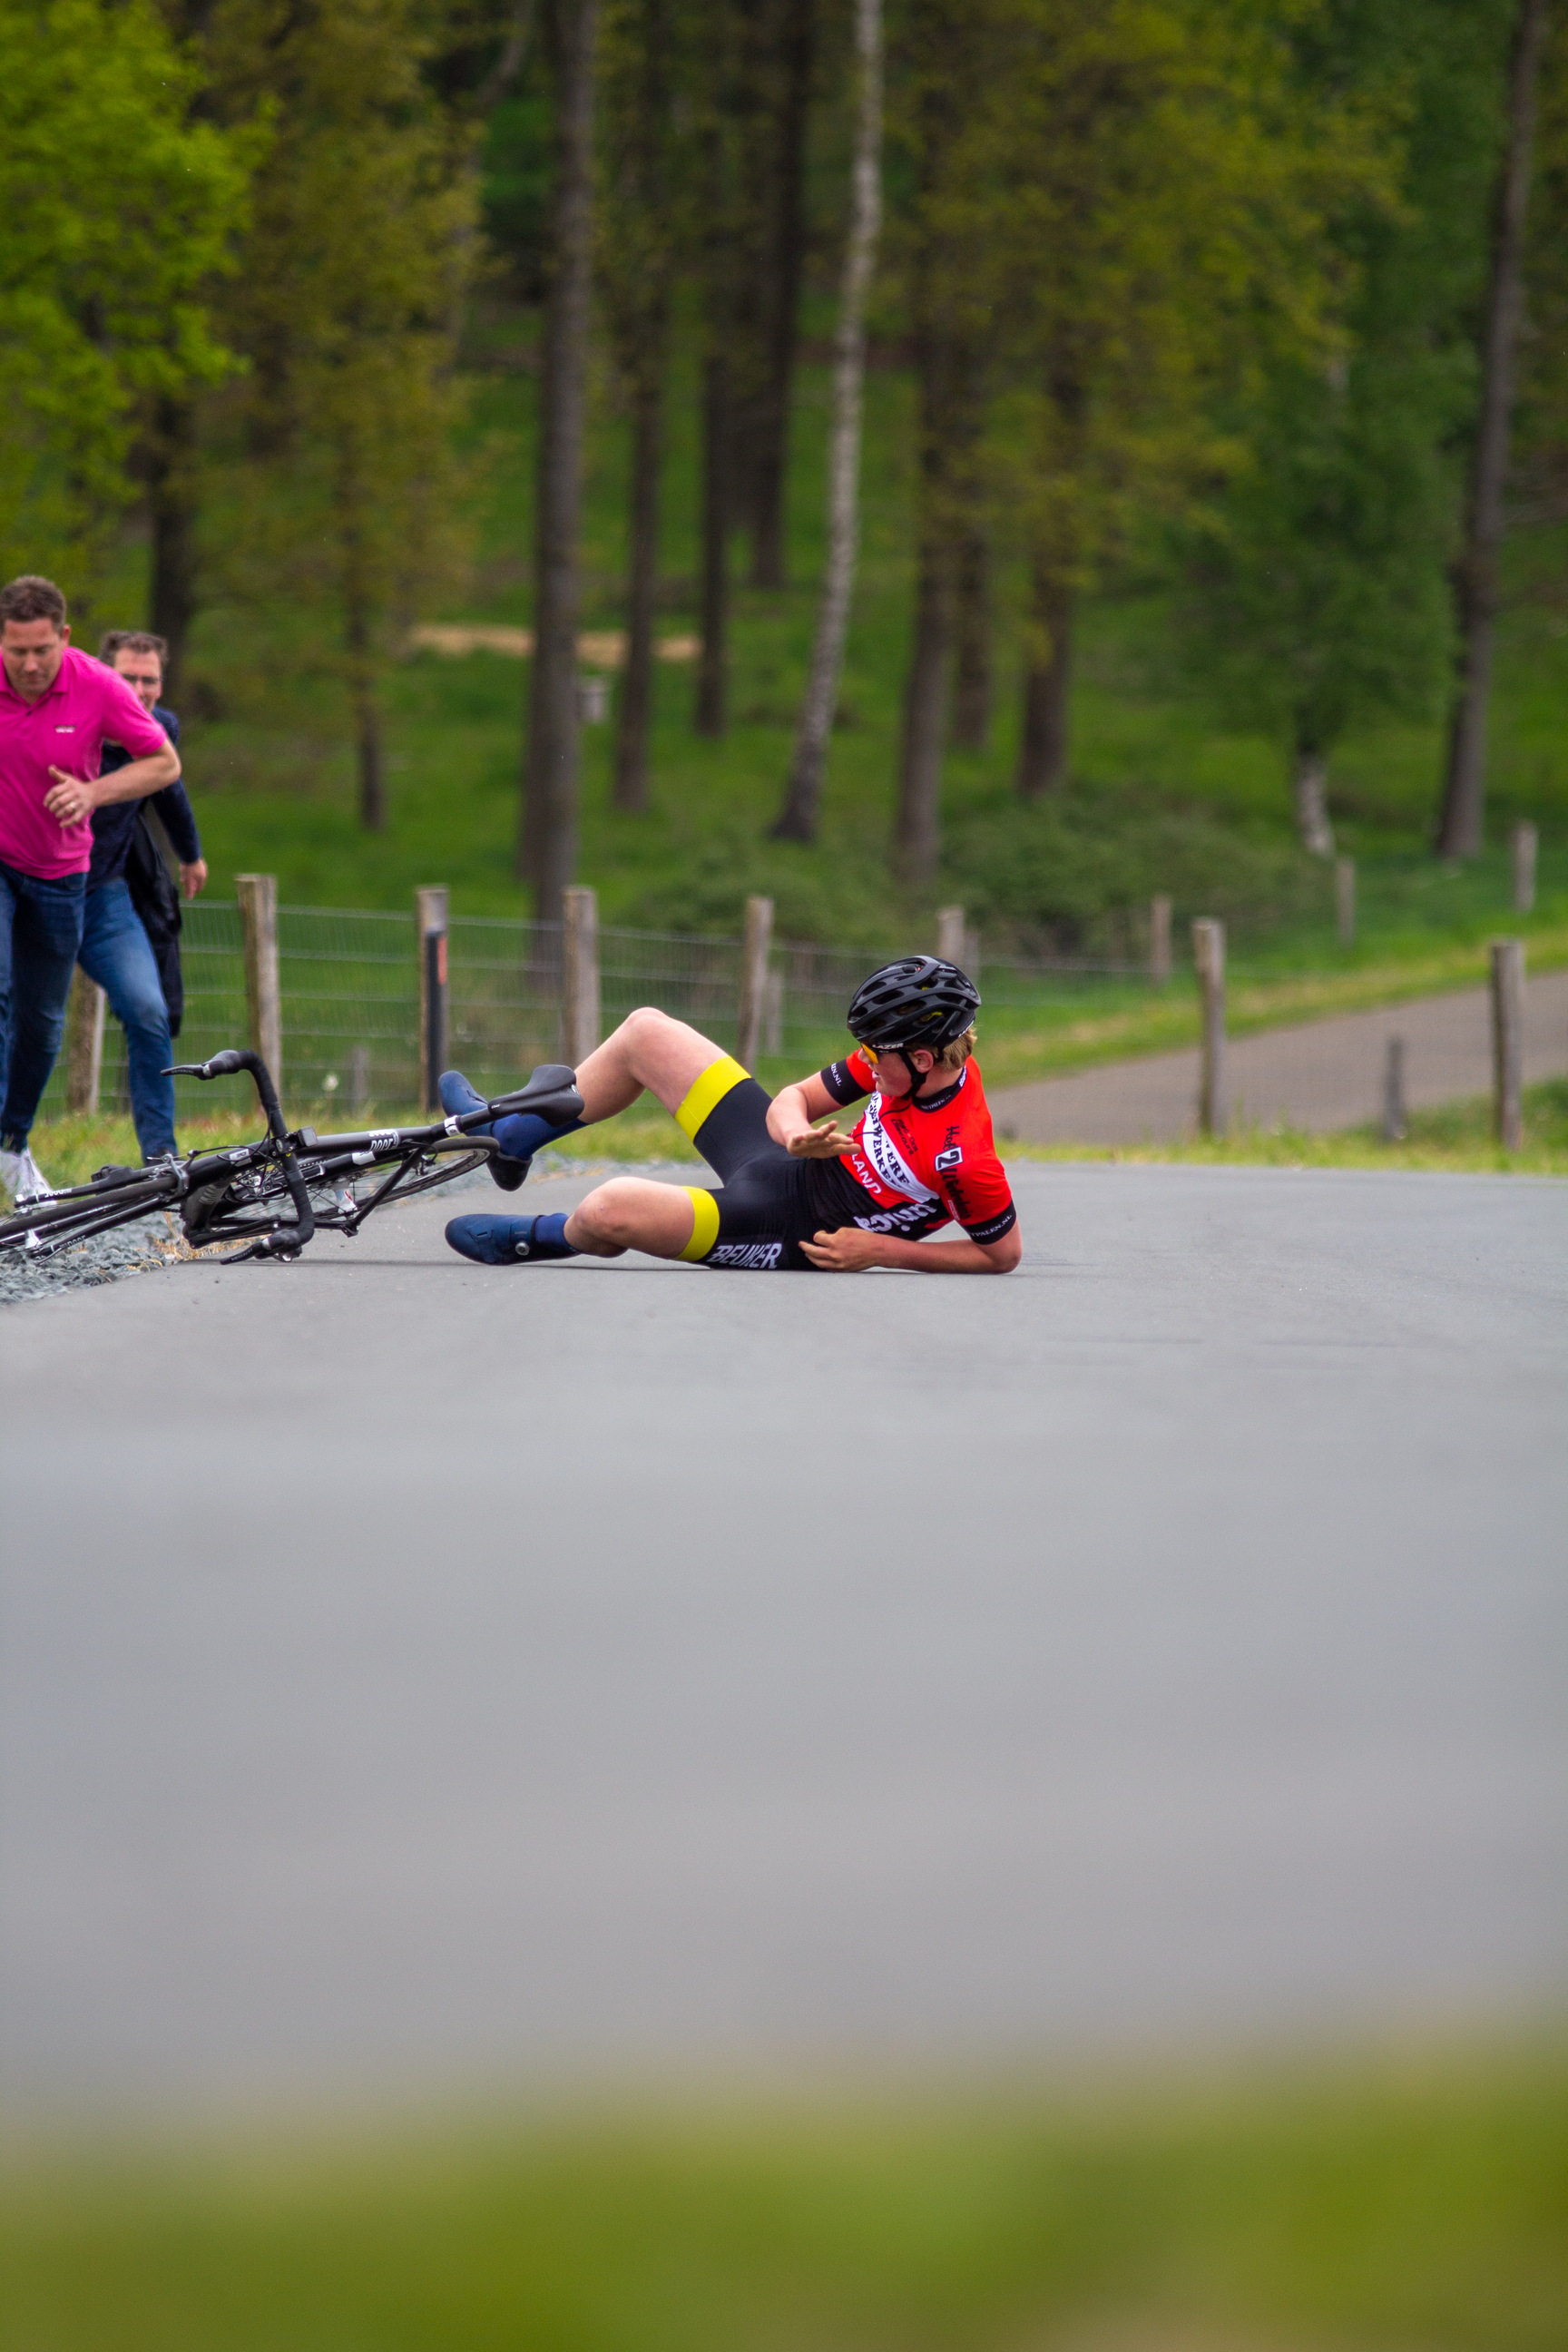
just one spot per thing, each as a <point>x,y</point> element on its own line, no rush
<point>1417,2207</point>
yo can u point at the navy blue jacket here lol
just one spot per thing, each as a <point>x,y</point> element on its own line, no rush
<point>113,827</point>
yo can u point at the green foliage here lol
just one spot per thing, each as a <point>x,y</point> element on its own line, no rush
<point>1416,2206</point>
<point>1055,880</point>
<point>1541,422</point>
<point>1317,587</point>
<point>1151,196</point>
<point>118,208</point>
<point>355,270</point>
<point>814,898</point>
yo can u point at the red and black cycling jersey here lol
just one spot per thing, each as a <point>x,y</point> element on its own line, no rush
<point>919,1162</point>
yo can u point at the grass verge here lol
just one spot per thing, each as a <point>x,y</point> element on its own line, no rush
<point>1455,1135</point>
<point>1427,2205</point>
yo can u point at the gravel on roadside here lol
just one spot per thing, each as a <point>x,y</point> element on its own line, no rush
<point>128,1249</point>
<point>155,1242</point>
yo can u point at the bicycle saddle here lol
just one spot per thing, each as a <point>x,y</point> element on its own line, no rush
<point>550,1092</point>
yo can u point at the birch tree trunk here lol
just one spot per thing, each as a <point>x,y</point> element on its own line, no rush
<point>1475,573</point>
<point>1310,786</point>
<point>797,819</point>
<point>548,853</point>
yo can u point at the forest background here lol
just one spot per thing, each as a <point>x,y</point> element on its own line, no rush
<point>325,325</point>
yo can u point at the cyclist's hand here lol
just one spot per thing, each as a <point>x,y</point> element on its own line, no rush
<point>822,1141</point>
<point>848,1251</point>
<point>69,798</point>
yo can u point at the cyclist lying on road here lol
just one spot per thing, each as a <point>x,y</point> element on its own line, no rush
<point>796,1190</point>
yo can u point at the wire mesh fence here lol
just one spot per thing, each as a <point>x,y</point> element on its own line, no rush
<point>349,980</point>
<point>350,987</point>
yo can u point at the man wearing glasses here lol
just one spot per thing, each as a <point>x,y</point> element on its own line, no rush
<point>117,949</point>
<point>796,1191</point>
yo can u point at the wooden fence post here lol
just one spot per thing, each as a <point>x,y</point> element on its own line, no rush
<point>1208,959</point>
<point>754,979</point>
<point>580,974</point>
<point>1525,842</point>
<point>1393,1122</point>
<point>1508,1042</point>
<point>84,1043</point>
<point>772,1020</point>
<point>1344,900</point>
<point>950,934</point>
<point>430,906</point>
<point>1160,940</point>
<point>257,896</point>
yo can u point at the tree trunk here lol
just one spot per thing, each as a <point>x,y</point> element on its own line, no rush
<point>1042,756</point>
<point>797,819</point>
<point>367,730</point>
<point>938,371</point>
<point>548,854</point>
<point>783,261</point>
<point>972,631</point>
<point>1475,573</point>
<point>173,503</point>
<point>359,630</point>
<point>916,828</point>
<point>726,82</point>
<point>712,667</point>
<point>1311,796</point>
<point>972,683</point>
<point>642,585</point>
<point>640,265</point>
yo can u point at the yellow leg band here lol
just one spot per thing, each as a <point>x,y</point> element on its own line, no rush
<point>710,1090</point>
<point>704,1221</point>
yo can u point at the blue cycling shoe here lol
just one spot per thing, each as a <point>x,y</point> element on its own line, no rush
<point>511,1241</point>
<point>458,1096</point>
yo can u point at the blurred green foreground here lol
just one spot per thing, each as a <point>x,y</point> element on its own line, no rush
<point>1419,2207</point>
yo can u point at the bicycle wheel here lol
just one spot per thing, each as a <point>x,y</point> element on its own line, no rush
<point>463,1167</point>
<point>56,1222</point>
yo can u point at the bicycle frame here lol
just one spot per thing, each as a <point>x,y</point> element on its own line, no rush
<point>284,1160</point>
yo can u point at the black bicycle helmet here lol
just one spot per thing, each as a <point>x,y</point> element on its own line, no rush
<point>918,1001</point>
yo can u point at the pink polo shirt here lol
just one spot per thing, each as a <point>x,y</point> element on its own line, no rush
<point>66,728</point>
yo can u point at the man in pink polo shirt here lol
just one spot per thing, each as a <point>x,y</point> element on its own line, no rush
<point>56,706</point>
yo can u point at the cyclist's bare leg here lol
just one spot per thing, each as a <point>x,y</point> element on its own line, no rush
<point>648,1053</point>
<point>629,1212</point>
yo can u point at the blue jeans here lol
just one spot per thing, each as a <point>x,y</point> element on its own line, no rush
<point>40,930</point>
<point>116,951</point>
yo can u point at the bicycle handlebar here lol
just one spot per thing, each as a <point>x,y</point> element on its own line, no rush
<point>290,1240</point>
<point>225,1065</point>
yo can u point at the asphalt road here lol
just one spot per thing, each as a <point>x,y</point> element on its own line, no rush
<point>416,1676</point>
<point>1317,1075</point>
